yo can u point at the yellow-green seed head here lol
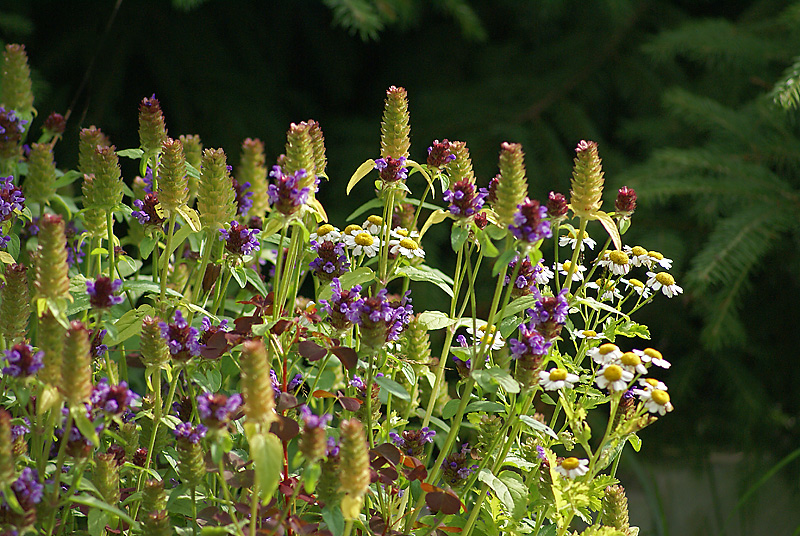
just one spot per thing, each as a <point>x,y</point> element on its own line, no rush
<point>395,128</point>
<point>193,149</point>
<point>300,154</point>
<point>103,188</point>
<point>216,199</point>
<point>587,180</point>
<point>15,307</point>
<point>88,159</point>
<point>259,398</point>
<point>191,466</point>
<point>614,511</point>
<point>512,185</point>
<point>154,498</point>
<point>51,336</point>
<point>157,523</point>
<point>153,348</point>
<point>6,448</point>
<point>318,146</point>
<point>152,128</point>
<point>173,183</point>
<point>40,184</point>
<point>253,169</point>
<point>354,455</point>
<point>106,477</point>
<point>52,278</point>
<point>129,431</point>
<point>15,81</point>
<point>460,168</point>
<point>76,368</point>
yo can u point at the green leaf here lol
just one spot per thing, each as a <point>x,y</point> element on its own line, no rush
<point>519,493</point>
<point>256,281</point>
<point>486,405</point>
<point>518,305</point>
<point>147,245</point>
<point>538,426</point>
<point>266,452</point>
<point>128,265</point>
<point>369,205</point>
<point>450,408</point>
<point>437,216</point>
<point>492,378</point>
<point>362,171</point>
<point>458,235</point>
<point>489,249</point>
<point>129,324</point>
<point>628,328</point>
<point>85,425</point>
<point>635,441</point>
<point>433,320</point>
<point>134,154</point>
<point>148,286</point>
<point>192,171</point>
<point>13,245</point>
<point>360,276</point>
<point>414,166</point>
<point>503,261</point>
<point>181,235</point>
<point>97,521</point>
<point>430,275</point>
<point>239,275</point>
<point>497,485</point>
<point>393,387</point>
<point>610,226</point>
<point>6,258</point>
<point>67,178</point>
<point>93,502</point>
<point>332,515</point>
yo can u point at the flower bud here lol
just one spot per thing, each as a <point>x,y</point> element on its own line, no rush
<point>395,130</point>
<point>173,183</point>
<point>40,184</point>
<point>614,511</point>
<point>102,189</point>
<point>354,456</point>
<point>300,155</point>
<point>259,397</point>
<point>106,477</point>
<point>16,91</point>
<point>587,180</point>
<point>556,206</point>
<point>130,433</point>
<point>253,169</point>
<point>6,447</point>
<point>15,304</point>
<point>215,196</point>
<point>193,149</point>
<point>54,125</point>
<point>318,146</point>
<point>440,153</point>
<point>459,167</point>
<point>51,336</point>
<point>76,369</point>
<point>512,186</point>
<point>152,130</point>
<point>52,278</point>
<point>154,498</point>
<point>625,203</point>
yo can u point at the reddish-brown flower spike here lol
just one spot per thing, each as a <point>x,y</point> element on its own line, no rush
<point>556,206</point>
<point>625,203</point>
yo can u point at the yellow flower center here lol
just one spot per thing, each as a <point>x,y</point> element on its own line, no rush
<point>574,234</point>
<point>656,255</point>
<point>570,463</point>
<point>651,381</point>
<point>665,279</point>
<point>607,348</point>
<point>375,220</point>
<point>364,239</point>
<point>589,333</point>
<point>660,397</point>
<point>566,265</point>
<point>630,359</point>
<point>636,283</point>
<point>407,243</point>
<point>654,354</point>
<point>401,231</point>
<point>350,228</point>
<point>558,374</point>
<point>612,373</point>
<point>638,251</point>
<point>605,284</point>
<point>324,229</point>
<point>618,257</point>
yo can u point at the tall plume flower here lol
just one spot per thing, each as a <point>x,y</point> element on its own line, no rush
<point>512,186</point>
<point>587,180</point>
<point>89,163</point>
<point>395,129</point>
<point>459,167</point>
<point>216,199</point>
<point>76,369</point>
<point>318,147</point>
<point>193,149</point>
<point>15,303</point>
<point>300,156</point>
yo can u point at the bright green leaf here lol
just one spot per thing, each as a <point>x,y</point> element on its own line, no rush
<point>362,171</point>
<point>393,387</point>
<point>266,451</point>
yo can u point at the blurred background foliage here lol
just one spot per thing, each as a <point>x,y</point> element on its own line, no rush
<point>691,101</point>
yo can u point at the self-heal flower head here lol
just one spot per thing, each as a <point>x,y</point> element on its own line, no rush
<point>152,128</point>
<point>456,468</point>
<point>556,206</point>
<point>331,261</point>
<point>510,190</point>
<point>439,154</point>
<point>313,439</point>
<point>529,223</point>
<point>412,442</point>
<point>392,170</point>
<point>239,239</point>
<point>526,280</point>
<point>286,195</point>
<point>531,343</point>
<point>27,489</point>
<point>11,200</point>
<point>188,432</point>
<point>11,130</point>
<point>549,313</point>
<point>216,409</point>
<point>243,197</point>
<point>625,203</point>
<point>22,361</point>
<point>464,200</point>
<point>113,399</point>
<point>342,308</point>
<point>148,213</point>
<point>573,467</point>
<point>103,292</point>
<point>181,338</point>
<point>98,349</point>
<point>382,320</point>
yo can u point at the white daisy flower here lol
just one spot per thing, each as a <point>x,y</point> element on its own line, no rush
<point>364,243</point>
<point>665,282</point>
<point>614,377</point>
<point>399,233</point>
<point>351,231</point>
<point>557,378</point>
<point>605,354</point>
<point>563,269</point>
<point>606,289</point>
<point>652,383</point>
<point>406,247</point>
<point>637,255</point>
<point>571,239</point>
<point>656,258</point>
<point>373,225</point>
<point>617,262</point>
<point>637,286</point>
<point>651,355</point>
<point>543,275</point>
<point>632,363</point>
<point>655,400</point>
<point>572,467</point>
<point>326,233</point>
<point>588,334</point>
<point>483,334</point>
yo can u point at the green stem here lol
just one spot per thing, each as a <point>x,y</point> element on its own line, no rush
<point>228,499</point>
<point>223,291</point>
<point>167,253</point>
<point>574,262</point>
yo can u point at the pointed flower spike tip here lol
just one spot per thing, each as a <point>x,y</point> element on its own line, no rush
<point>152,128</point>
<point>395,128</point>
<point>587,180</point>
<point>512,187</point>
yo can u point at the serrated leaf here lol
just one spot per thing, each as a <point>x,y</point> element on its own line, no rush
<point>129,324</point>
<point>362,171</point>
<point>498,486</point>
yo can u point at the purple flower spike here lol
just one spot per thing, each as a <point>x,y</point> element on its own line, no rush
<point>181,338</point>
<point>243,201</point>
<point>313,421</point>
<point>113,399</point>
<point>102,292</point>
<point>27,489</point>
<point>392,170</point>
<point>193,434</point>
<point>285,194</point>
<point>343,306</point>
<point>331,261</point>
<point>240,239</point>
<point>464,200</point>
<point>549,313</point>
<point>531,344</point>
<point>22,361</point>
<point>530,224</point>
<point>217,409</point>
<point>412,442</point>
<point>439,154</point>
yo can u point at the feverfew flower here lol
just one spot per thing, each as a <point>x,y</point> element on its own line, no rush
<point>652,383</point>
<point>373,225</point>
<point>616,262</point>
<point>563,269</point>
<point>240,239</point>
<point>637,286</point>
<point>363,244</point>
<point>656,258</point>
<point>326,233</point>
<point>557,378</point>
<point>655,400</point>
<point>606,289</point>
<point>631,362</point>
<point>651,355</point>
<point>407,248</point>
<point>571,239</point>
<point>588,334</point>
<point>637,254</point>
<point>102,292</point>
<point>573,467</point>
<point>483,335</point>
<point>614,377</point>
<point>605,354</point>
<point>665,282</point>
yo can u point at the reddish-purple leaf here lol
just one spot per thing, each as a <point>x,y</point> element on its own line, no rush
<point>280,326</point>
<point>216,346</point>
<point>319,393</point>
<point>349,403</point>
<point>286,401</point>
<point>311,350</point>
<point>440,501</point>
<point>390,452</point>
<point>346,355</point>
<point>285,428</point>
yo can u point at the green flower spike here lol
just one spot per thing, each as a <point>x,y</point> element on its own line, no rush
<point>587,181</point>
<point>51,336</point>
<point>16,91</point>
<point>253,169</point>
<point>191,467</point>
<point>216,199</point>
<point>106,477</point>
<point>152,128</point>
<point>313,443</point>
<point>193,149</point>
<point>52,278</point>
<point>173,183</point>
<point>15,307</point>
<point>318,146</point>
<point>154,498</point>
<point>153,347</point>
<point>354,455</point>
<point>103,188</point>
<point>512,186</point>
<point>129,431</point>
<point>259,398</point>
<point>40,184</point>
<point>461,168</point>
<point>395,129</point>
<point>76,369</point>
<point>6,448</point>
<point>614,512</point>
<point>89,163</point>
<point>300,154</point>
